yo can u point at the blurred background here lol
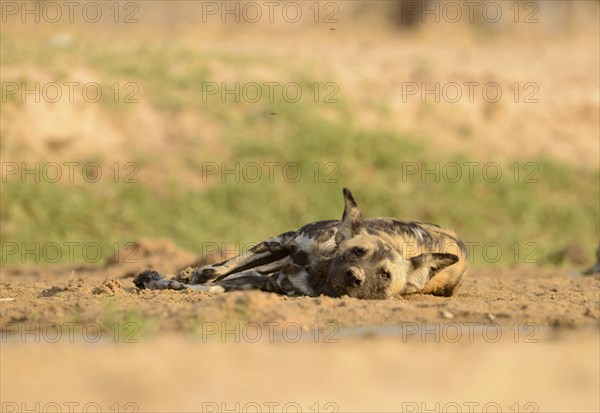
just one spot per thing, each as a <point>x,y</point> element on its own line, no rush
<point>230,122</point>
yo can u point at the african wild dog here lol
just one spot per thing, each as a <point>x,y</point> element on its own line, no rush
<point>364,258</point>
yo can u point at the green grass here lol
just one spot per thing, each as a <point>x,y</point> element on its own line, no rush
<point>559,210</point>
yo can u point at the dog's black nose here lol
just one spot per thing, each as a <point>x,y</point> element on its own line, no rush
<point>353,279</point>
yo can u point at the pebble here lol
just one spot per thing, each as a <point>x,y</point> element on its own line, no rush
<point>446,314</point>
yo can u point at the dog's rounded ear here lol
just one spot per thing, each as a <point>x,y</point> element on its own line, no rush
<point>352,219</point>
<point>434,261</point>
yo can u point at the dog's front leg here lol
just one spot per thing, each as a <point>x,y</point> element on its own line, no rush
<point>262,254</point>
<point>247,280</point>
<point>280,282</point>
<point>151,280</point>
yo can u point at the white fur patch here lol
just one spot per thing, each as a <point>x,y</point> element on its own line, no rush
<point>419,234</point>
<point>240,274</point>
<point>304,243</point>
<point>207,288</point>
<point>300,282</point>
<point>416,280</point>
<point>327,247</point>
<point>312,247</point>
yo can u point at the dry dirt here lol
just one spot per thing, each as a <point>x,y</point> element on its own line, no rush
<point>515,339</point>
<point>522,294</point>
<point>170,373</point>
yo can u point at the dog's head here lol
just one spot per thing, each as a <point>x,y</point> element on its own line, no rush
<point>371,265</point>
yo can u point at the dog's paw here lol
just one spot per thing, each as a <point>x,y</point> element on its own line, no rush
<point>203,275</point>
<point>145,278</point>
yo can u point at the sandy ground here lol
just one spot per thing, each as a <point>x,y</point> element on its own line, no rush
<point>522,294</point>
<point>518,339</point>
<point>557,374</point>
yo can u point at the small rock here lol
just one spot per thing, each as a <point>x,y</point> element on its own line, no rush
<point>446,314</point>
<point>110,286</point>
<point>491,316</point>
<point>590,313</point>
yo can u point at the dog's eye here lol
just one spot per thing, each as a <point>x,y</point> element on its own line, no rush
<point>385,274</point>
<point>358,251</point>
